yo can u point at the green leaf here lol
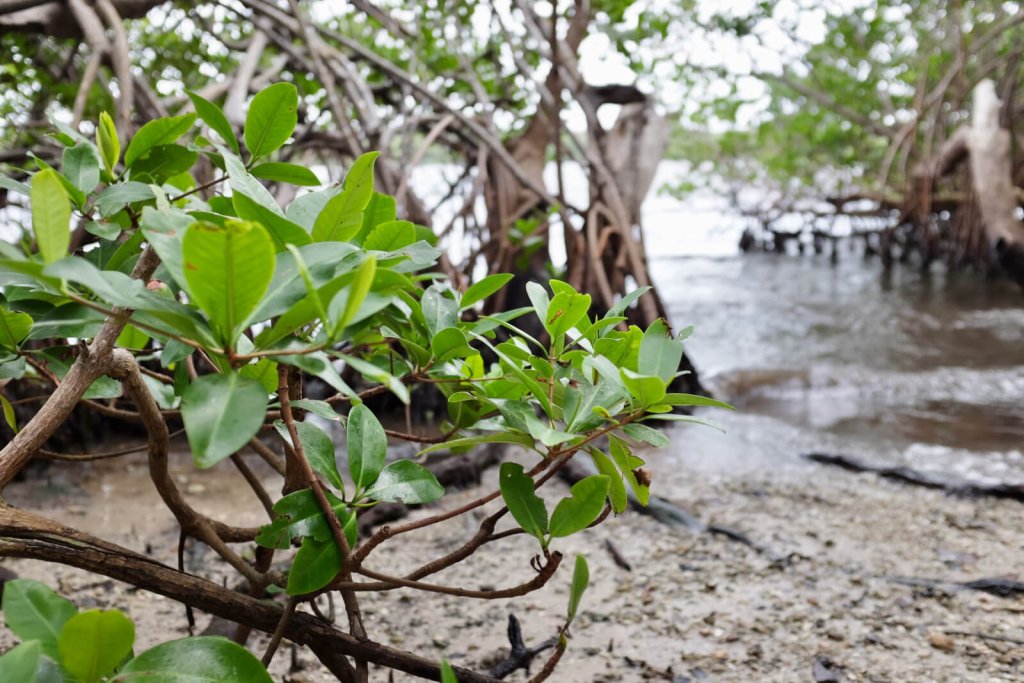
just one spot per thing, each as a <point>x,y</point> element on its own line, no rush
<point>299,515</point>
<point>483,289</point>
<point>285,173</point>
<point>81,165</point>
<point>263,371</point>
<point>439,311</point>
<point>564,312</point>
<point>405,481</point>
<point>380,209</point>
<point>93,643</point>
<point>51,215</point>
<point>318,447</point>
<point>163,162</point>
<point>33,611</point>
<point>315,565</point>
<point>547,435</point>
<point>390,236</point>
<point>467,441</point>
<point>367,446</point>
<point>194,660</point>
<point>674,399</point>
<point>116,197</point>
<point>106,140</point>
<point>525,506</point>
<point>627,464</point>
<point>282,230</point>
<point>14,327</point>
<point>214,117</point>
<point>447,674</point>
<point>450,343</point>
<point>221,413</point>
<point>582,507</point>
<point>354,296</point>
<point>580,581</point>
<point>228,270</point>
<point>646,389</point>
<point>271,119</point>
<point>242,181</point>
<point>26,663</point>
<point>660,354</point>
<point>646,434</point>
<point>163,131</point>
<point>342,215</point>
<point>9,416</point>
<point>616,487</point>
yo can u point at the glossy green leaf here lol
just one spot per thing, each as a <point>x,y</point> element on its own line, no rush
<point>616,487</point>
<point>221,413</point>
<point>587,498</point>
<point>674,399</point>
<point>162,131</point>
<point>272,116</point>
<point>107,142</point>
<point>483,289</point>
<point>281,172</point>
<point>162,162</point>
<point>450,343</point>
<point>93,643</point>
<point>564,312</point>
<point>380,209</point>
<point>14,327</point>
<point>646,434</point>
<point>81,166</point>
<point>116,197</point>
<point>228,270</point>
<point>447,673</point>
<point>342,216</point>
<point>214,117</point>
<point>525,506</point>
<point>439,309</point>
<point>26,663</point>
<point>405,481</point>
<point>660,354</point>
<point>318,447</point>
<point>204,659</point>
<point>299,514</point>
<point>354,296</point>
<point>51,215</point>
<point>9,416</point>
<point>33,611</point>
<point>263,371</point>
<point>367,446</point>
<point>468,441</point>
<point>281,230</point>
<point>580,581</point>
<point>390,236</point>
<point>646,389</point>
<point>315,565</point>
<point>627,463</point>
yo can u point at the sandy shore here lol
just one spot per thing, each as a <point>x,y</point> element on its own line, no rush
<point>695,607</point>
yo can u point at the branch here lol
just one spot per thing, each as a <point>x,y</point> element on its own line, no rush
<point>23,534</point>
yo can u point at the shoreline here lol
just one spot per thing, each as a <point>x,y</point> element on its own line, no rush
<point>695,607</point>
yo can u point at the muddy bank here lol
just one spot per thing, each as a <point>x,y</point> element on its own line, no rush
<point>694,608</point>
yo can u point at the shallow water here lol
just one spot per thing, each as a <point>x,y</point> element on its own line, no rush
<point>925,370</point>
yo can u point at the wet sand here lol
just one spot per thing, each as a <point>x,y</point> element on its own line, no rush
<point>694,607</point>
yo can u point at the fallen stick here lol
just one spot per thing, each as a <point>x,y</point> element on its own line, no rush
<point>908,475</point>
<point>1003,588</point>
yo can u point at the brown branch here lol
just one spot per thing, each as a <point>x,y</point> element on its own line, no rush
<point>26,535</point>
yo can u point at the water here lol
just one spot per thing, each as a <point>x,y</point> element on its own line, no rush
<point>904,368</point>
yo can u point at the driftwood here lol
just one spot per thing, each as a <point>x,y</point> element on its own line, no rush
<point>908,475</point>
